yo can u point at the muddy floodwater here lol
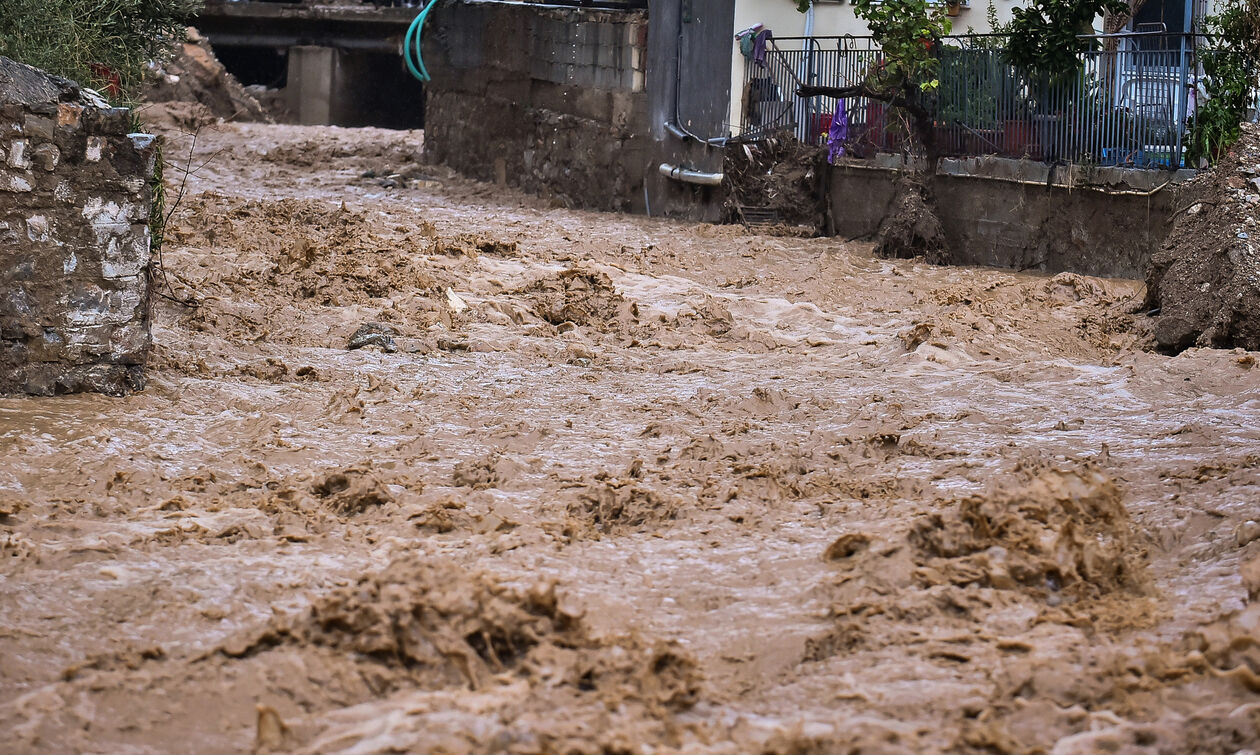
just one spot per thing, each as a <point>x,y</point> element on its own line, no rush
<point>600,483</point>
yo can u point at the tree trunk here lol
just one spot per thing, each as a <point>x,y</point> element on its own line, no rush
<point>1113,23</point>
<point>912,228</point>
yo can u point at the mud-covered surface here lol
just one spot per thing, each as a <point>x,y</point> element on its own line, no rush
<point>619,484</point>
<point>912,228</point>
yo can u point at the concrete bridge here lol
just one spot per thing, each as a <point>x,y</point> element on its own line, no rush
<point>321,55</point>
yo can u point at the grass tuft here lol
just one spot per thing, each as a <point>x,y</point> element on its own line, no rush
<point>97,43</point>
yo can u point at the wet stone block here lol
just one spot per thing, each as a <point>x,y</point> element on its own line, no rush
<point>47,156</point>
<point>40,127</point>
<point>15,183</point>
<point>128,255</point>
<point>17,154</point>
<point>88,304</point>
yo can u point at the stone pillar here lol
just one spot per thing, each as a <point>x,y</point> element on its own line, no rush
<point>314,74</point>
<point>74,239</point>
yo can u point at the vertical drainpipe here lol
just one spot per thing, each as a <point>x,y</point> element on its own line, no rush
<point>803,106</point>
<point>1181,117</point>
<point>673,126</point>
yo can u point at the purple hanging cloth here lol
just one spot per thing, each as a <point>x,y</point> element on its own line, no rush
<point>838,134</point>
<point>759,46</point>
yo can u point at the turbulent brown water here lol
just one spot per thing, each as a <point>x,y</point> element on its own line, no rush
<point>618,485</point>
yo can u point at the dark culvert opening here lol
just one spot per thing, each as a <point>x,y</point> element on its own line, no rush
<point>372,89</point>
<point>255,66</point>
<point>379,92</point>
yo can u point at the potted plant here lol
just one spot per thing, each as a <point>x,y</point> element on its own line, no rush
<point>1019,139</point>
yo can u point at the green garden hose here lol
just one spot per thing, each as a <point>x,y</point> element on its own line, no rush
<point>411,45</point>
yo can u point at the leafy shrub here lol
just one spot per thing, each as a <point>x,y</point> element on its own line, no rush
<point>1232,72</point>
<point>104,44</point>
<point>1044,34</point>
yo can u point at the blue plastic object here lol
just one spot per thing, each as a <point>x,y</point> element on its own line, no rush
<point>411,45</point>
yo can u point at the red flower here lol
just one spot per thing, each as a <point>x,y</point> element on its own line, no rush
<point>113,85</point>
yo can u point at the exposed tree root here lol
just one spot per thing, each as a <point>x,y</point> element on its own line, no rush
<point>912,228</point>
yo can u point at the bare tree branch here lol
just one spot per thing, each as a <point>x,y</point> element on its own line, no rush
<point>891,97</point>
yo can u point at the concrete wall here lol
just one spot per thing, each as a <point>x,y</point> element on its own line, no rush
<point>687,84</point>
<point>573,103</point>
<point>550,99</point>
<point>74,240</point>
<point>1024,215</point>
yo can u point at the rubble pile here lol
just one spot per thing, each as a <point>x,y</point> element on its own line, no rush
<point>1203,287</point>
<point>193,89</point>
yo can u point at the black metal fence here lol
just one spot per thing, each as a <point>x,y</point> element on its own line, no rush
<point>1129,104</point>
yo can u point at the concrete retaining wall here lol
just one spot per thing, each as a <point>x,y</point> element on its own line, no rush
<point>551,100</point>
<point>74,239</point>
<point>1024,215</point>
<point>572,103</point>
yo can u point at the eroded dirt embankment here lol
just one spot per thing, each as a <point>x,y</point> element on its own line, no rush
<point>1204,283</point>
<point>595,482</point>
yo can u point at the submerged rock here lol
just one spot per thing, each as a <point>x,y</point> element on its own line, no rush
<point>373,334</point>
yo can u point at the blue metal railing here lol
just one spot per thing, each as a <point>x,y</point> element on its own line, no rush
<point>1128,105</point>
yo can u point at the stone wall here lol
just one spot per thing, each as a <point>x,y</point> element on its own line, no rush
<point>1022,214</point>
<point>74,239</point>
<point>551,100</point>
